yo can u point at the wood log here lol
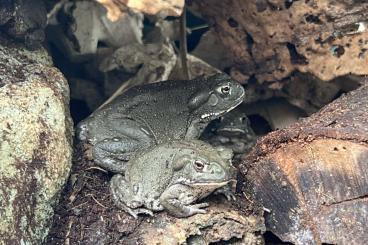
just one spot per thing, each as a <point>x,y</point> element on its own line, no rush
<point>222,224</point>
<point>270,39</point>
<point>312,177</point>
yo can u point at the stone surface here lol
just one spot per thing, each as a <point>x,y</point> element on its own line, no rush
<point>196,67</point>
<point>35,143</point>
<point>210,49</point>
<point>149,62</point>
<point>24,20</point>
<point>82,29</point>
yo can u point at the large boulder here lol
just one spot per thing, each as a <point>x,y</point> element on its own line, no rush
<point>35,142</point>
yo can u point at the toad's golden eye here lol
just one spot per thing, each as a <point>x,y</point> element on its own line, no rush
<point>199,165</point>
<point>225,89</point>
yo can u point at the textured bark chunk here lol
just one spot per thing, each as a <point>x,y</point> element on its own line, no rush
<point>270,39</point>
<point>312,175</point>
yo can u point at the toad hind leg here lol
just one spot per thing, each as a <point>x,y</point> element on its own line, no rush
<point>112,154</point>
<point>126,137</point>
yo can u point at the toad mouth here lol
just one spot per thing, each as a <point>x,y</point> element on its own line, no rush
<point>232,130</point>
<point>219,184</point>
<point>204,116</point>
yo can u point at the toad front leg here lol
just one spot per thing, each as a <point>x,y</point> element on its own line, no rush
<point>226,191</point>
<point>177,200</point>
<point>129,198</point>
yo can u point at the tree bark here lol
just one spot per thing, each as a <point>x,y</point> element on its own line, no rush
<point>311,177</point>
<point>270,39</point>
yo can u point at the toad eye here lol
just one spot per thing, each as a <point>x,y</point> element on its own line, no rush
<point>199,165</point>
<point>225,89</point>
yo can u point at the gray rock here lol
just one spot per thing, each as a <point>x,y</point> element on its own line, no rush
<point>24,20</point>
<point>35,143</point>
<point>211,50</point>
<point>80,29</point>
<point>196,67</point>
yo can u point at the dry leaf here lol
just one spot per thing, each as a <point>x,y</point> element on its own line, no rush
<point>116,8</point>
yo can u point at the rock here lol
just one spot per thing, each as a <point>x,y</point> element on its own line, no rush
<point>278,112</point>
<point>79,29</point>
<point>149,63</point>
<point>211,50</point>
<point>302,90</point>
<point>163,30</point>
<point>35,145</point>
<point>196,67</point>
<point>24,20</point>
<point>87,91</point>
<point>310,93</point>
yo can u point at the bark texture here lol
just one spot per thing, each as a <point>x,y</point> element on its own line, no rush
<point>311,176</point>
<point>269,39</point>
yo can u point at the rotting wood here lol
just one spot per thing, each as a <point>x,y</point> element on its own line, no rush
<point>270,39</point>
<point>221,224</point>
<point>312,175</point>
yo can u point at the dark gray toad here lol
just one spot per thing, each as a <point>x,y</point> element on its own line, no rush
<point>172,176</point>
<point>233,131</point>
<point>155,113</point>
